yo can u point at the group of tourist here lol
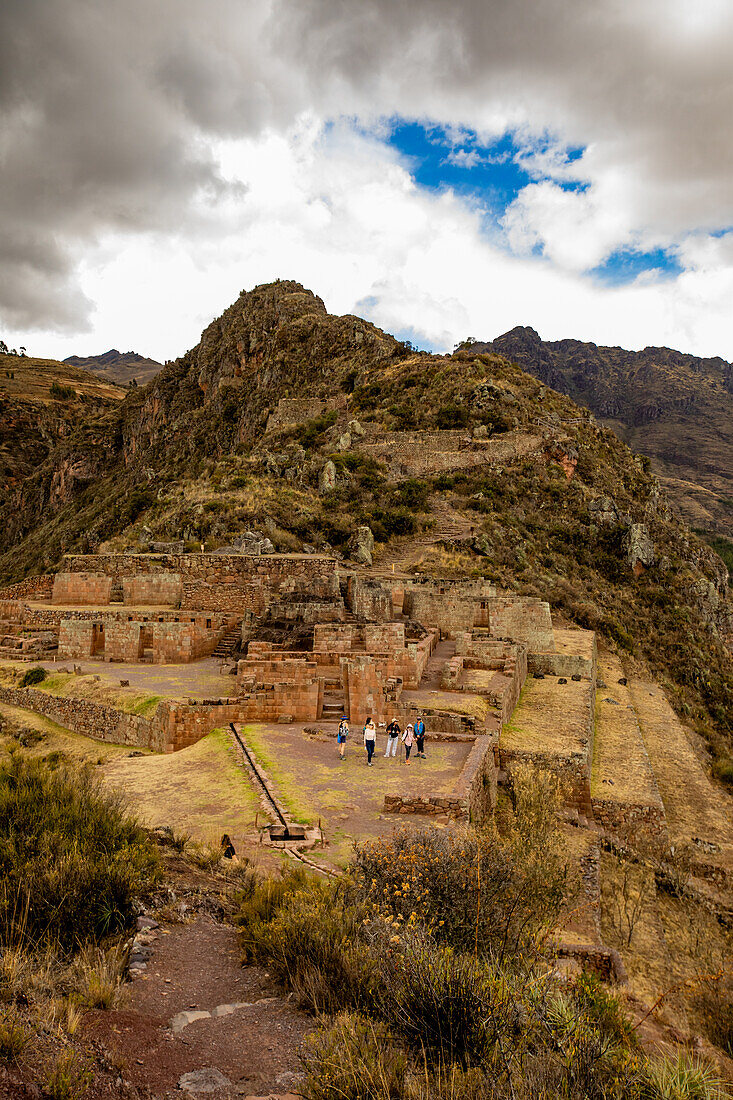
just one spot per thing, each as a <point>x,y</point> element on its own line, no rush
<point>412,735</point>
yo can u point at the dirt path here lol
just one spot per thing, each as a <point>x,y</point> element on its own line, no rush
<point>246,1036</point>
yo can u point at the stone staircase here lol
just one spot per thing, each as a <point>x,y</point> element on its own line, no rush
<point>227,644</point>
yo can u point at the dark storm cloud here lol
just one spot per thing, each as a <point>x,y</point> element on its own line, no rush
<point>104,112</point>
<point>108,109</point>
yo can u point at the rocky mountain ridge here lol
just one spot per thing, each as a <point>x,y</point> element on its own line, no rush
<point>119,367</point>
<point>674,407</point>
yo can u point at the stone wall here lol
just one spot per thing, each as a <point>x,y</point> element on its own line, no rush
<point>369,600</point>
<point>75,638</point>
<point>32,588</point>
<point>508,662</point>
<point>573,768</point>
<point>233,583</point>
<point>630,819</point>
<point>122,641</point>
<point>451,605</point>
<point>174,726</point>
<point>277,669</point>
<point>156,589</point>
<point>180,643</point>
<point>103,723</point>
<point>294,410</point>
<point>523,619</point>
<point>473,795</point>
<point>368,690</point>
<point>417,454</point>
<point>562,664</point>
<point>82,588</point>
<point>217,621</point>
<point>362,637</point>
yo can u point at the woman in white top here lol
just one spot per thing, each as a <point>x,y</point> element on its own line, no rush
<point>370,739</point>
<point>408,740</point>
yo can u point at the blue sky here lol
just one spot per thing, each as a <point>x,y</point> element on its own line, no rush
<point>491,176</point>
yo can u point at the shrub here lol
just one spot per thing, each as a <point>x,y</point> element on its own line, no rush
<point>353,1059</point>
<point>99,974</point>
<point>451,416</point>
<point>35,675</point>
<point>312,942</point>
<point>681,1078</point>
<point>71,859</point>
<point>62,393</point>
<point>714,1005</point>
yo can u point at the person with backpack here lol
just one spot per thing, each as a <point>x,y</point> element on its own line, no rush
<point>370,739</point>
<point>420,737</point>
<point>408,740</point>
<point>393,738</point>
<point>341,736</point>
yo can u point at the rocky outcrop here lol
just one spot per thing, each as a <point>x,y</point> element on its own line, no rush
<point>361,546</point>
<point>639,548</point>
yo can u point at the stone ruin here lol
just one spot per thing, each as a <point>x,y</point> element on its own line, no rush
<point>314,640</point>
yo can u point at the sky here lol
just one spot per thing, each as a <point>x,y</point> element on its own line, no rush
<point>444,168</point>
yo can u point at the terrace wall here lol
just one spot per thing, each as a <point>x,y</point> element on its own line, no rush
<point>232,583</point>
<point>32,588</point>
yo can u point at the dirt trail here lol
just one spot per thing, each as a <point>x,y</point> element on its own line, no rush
<point>195,1022</point>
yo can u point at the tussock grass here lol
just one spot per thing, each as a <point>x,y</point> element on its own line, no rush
<point>71,859</point>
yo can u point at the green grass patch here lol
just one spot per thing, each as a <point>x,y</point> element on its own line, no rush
<point>283,779</point>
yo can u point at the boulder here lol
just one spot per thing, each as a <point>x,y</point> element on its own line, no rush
<point>344,441</point>
<point>361,546</point>
<point>327,478</point>
<point>355,428</point>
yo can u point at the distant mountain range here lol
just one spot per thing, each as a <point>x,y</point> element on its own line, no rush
<point>120,367</point>
<point>673,407</point>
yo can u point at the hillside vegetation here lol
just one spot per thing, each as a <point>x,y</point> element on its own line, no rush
<point>676,408</point>
<point>205,452</point>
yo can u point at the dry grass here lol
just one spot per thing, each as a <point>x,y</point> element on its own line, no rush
<point>675,942</point>
<point>621,769</point>
<point>199,790</point>
<point>32,379</point>
<point>550,717</point>
<point>574,642</point>
<point>695,806</point>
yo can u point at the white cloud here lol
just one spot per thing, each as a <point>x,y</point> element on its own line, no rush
<point>157,158</point>
<point>339,212</point>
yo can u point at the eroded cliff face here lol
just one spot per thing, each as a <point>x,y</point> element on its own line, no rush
<point>673,407</point>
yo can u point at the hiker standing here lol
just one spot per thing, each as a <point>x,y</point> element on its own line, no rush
<point>393,738</point>
<point>408,739</point>
<point>341,736</point>
<point>370,739</point>
<point>420,737</point>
